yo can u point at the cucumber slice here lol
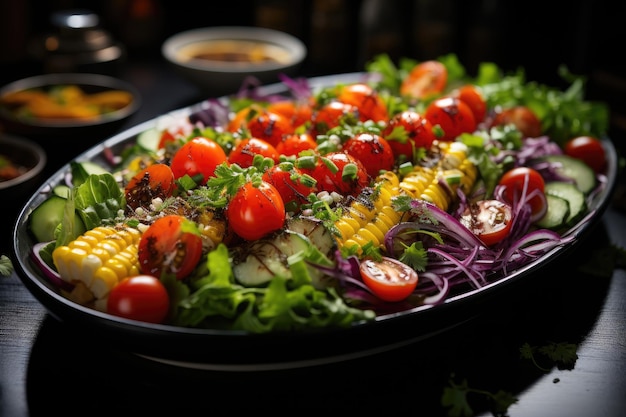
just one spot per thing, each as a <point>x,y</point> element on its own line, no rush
<point>574,197</point>
<point>93,168</point>
<point>319,235</point>
<point>577,170</point>
<point>61,190</point>
<point>557,214</point>
<point>257,263</point>
<point>149,139</point>
<point>47,216</point>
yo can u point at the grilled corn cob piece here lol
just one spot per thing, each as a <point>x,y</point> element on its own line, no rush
<point>97,260</point>
<point>438,184</point>
<point>368,219</point>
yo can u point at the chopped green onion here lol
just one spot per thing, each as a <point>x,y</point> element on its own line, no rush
<point>405,168</point>
<point>350,172</point>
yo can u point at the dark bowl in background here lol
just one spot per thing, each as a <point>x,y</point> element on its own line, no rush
<point>14,192</point>
<point>68,137</point>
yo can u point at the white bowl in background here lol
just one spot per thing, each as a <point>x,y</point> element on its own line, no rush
<point>219,59</point>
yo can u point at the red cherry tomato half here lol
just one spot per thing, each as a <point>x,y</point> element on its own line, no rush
<point>244,152</point>
<point>371,106</point>
<point>522,117</point>
<point>425,79</point>
<point>489,220</point>
<point>155,181</point>
<point>141,297</point>
<point>372,150</point>
<point>453,115</point>
<point>516,179</point>
<point>171,245</point>
<point>406,131</point>
<point>470,95</point>
<point>198,158</point>
<point>254,212</point>
<point>589,150</point>
<point>339,172</point>
<point>389,279</point>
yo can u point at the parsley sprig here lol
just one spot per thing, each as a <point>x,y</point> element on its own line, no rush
<point>6,266</point>
<point>455,398</point>
<point>563,355</point>
<point>227,180</point>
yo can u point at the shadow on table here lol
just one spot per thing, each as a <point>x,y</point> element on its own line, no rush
<point>70,372</point>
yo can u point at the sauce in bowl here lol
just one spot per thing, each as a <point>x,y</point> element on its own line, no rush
<point>235,52</point>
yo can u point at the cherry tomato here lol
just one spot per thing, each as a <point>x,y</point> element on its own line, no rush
<point>331,114</point>
<point>141,297</point>
<point>180,129</point>
<point>254,212</point>
<point>372,150</point>
<point>516,179</point>
<point>371,106</point>
<point>245,150</point>
<point>471,95</point>
<point>270,127</point>
<point>293,144</point>
<point>339,172</point>
<point>166,137</point>
<point>489,220</point>
<point>288,181</point>
<point>389,279</point>
<point>425,79</point>
<point>171,245</point>
<point>198,157</point>
<point>240,119</point>
<point>155,181</point>
<point>588,149</point>
<point>297,112</point>
<point>522,117</point>
<point>452,115</point>
<point>406,131</point>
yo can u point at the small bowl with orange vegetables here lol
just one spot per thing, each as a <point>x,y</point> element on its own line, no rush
<point>81,106</point>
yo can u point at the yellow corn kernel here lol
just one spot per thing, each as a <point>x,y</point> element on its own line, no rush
<point>356,240</point>
<point>103,280</point>
<point>372,227</point>
<point>361,211</point>
<point>388,216</point>
<point>347,226</point>
<point>470,173</point>
<point>377,230</point>
<point>436,195</point>
<point>80,244</point>
<point>80,294</point>
<point>439,184</point>
<point>417,181</point>
<point>99,259</point>
<point>120,265</point>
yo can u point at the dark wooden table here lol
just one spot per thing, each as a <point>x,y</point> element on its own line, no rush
<point>47,367</point>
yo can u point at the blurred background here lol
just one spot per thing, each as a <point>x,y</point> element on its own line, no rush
<point>341,35</point>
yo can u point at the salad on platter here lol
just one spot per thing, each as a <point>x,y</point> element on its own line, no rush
<point>390,191</point>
